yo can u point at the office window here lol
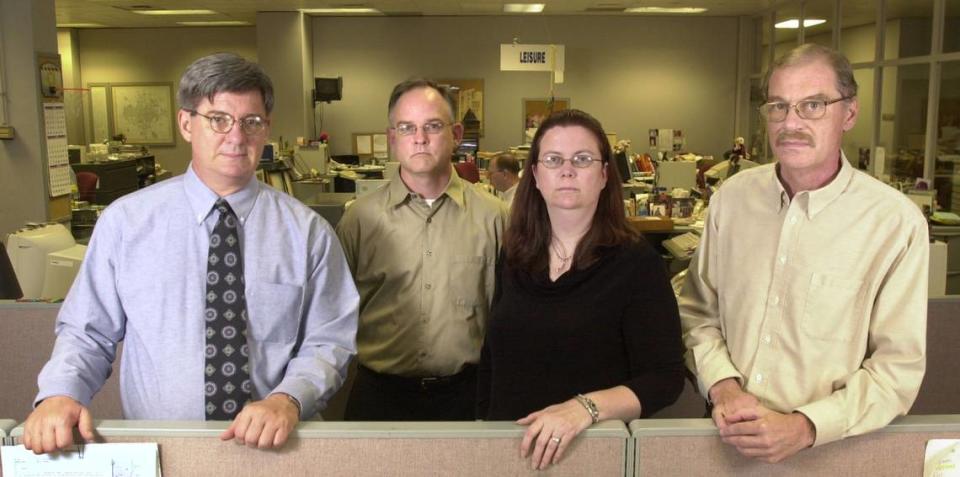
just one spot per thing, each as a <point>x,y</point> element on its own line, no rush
<point>858,34</point>
<point>814,31</point>
<point>862,133</point>
<point>951,27</point>
<point>947,166</point>
<point>908,137</point>
<point>787,29</point>
<point>909,28</point>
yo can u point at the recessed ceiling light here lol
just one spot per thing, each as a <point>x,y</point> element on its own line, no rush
<point>795,23</point>
<point>341,11</point>
<point>175,12</point>
<point>216,23</point>
<point>523,7</point>
<point>665,10</point>
<point>80,25</point>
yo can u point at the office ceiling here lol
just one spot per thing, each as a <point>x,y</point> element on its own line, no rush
<point>119,13</point>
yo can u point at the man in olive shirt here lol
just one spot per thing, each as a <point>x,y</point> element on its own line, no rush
<point>422,251</point>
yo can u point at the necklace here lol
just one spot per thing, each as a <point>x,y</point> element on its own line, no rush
<point>556,246</point>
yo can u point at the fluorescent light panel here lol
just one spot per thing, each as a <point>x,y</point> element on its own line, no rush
<point>80,25</point>
<point>665,10</point>
<point>795,23</point>
<point>334,11</point>
<point>216,23</point>
<point>523,7</point>
<point>175,12</point>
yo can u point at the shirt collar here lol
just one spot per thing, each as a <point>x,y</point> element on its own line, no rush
<point>399,193</point>
<point>817,200</point>
<point>202,198</point>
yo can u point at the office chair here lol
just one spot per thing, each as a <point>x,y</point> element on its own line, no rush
<point>87,186</point>
<point>9,286</point>
<point>467,171</point>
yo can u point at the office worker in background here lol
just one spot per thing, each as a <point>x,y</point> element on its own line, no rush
<point>422,251</point>
<point>234,301</point>
<point>584,324</point>
<point>503,171</point>
<point>804,309</point>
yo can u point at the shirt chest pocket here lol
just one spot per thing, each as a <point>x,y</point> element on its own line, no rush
<point>833,309</point>
<point>468,280</point>
<point>273,311</point>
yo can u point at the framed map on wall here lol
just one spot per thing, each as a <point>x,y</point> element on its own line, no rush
<point>143,112</point>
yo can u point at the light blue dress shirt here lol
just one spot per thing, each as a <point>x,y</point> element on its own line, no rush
<point>143,282</point>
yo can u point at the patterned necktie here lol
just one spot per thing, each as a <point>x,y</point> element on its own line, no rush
<point>227,372</point>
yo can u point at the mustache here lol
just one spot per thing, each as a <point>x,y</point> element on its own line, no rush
<point>794,136</point>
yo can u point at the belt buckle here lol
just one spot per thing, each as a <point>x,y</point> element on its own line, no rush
<point>425,383</point>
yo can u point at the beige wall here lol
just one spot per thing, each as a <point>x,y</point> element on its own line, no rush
<point>631,73</point>
<point>157,55</point>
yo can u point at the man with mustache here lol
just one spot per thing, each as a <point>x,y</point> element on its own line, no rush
<point>422,251</point>
<point>804,308</point>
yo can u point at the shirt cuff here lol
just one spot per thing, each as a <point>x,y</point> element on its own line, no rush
<point>304,393</point>
<point>713,374</point>
<point>77,393</point>
<point>827,419</point>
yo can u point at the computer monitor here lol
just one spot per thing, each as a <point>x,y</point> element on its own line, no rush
<point>677,175</point>
<point>62,268</point>
<point>366,186</point>
<point>328,89</point>
<point>28,250</point>
<point>623,166</point>
<point>348,159</point>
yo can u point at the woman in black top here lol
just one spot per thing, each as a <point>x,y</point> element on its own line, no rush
<point>584,325</point>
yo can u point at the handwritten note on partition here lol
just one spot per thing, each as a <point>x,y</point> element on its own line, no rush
<point>942,458</point>
<point>89,460</point>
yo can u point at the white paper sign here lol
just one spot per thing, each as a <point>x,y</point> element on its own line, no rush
<point>517,57</point>
<point>89,460</point>
<point>942,458</point>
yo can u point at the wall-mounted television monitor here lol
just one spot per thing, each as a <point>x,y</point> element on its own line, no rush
<point>328,89</point>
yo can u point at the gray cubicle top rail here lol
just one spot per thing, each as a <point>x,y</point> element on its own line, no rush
<point>371,448</point>
<point>693,447</point>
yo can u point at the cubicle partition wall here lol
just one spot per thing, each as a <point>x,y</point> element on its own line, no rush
<point>26,338</point>
<point>375,448</point>
<point>6,425</point>
<point>941,383</point>
<point>693,447</point>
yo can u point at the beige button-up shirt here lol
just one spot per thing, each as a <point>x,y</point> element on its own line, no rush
<point>816,304</point>
<point>425,275</point>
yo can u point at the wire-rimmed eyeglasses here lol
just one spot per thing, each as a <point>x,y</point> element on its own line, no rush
<point>222,123</point>
<point>580,161</point>
<point>430,127</point>
<point>807,109</point>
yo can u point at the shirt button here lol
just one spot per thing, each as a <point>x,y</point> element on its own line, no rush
<point>767,339</point>
<point>427,286</point>
<point>783,259</point>
<point>429,253</point>
<point>758,378</point>
<point>775,300</point>
<point>793,219</point>
<point>429,219</point>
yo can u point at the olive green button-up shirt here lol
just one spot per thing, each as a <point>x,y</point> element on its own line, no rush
<point>425,275</point>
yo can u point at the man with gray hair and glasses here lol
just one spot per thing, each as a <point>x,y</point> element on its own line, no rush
<point>804,309</point>
<point>234,301</point>
<point>422,250</point>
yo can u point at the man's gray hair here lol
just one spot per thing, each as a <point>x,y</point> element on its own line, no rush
<point>417,83</point>
<point>846,84</point>
<point>223,72</point>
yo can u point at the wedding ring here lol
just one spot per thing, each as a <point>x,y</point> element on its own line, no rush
<point>555,440</point>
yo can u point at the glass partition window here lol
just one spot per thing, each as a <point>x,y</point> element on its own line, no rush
<point>947,165</point>
<point>856,142</point>
<point>905,93</point>
<point>858,34</point>
<point>951,27</point>
<point>909,28</point>
<point>818,22</point>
